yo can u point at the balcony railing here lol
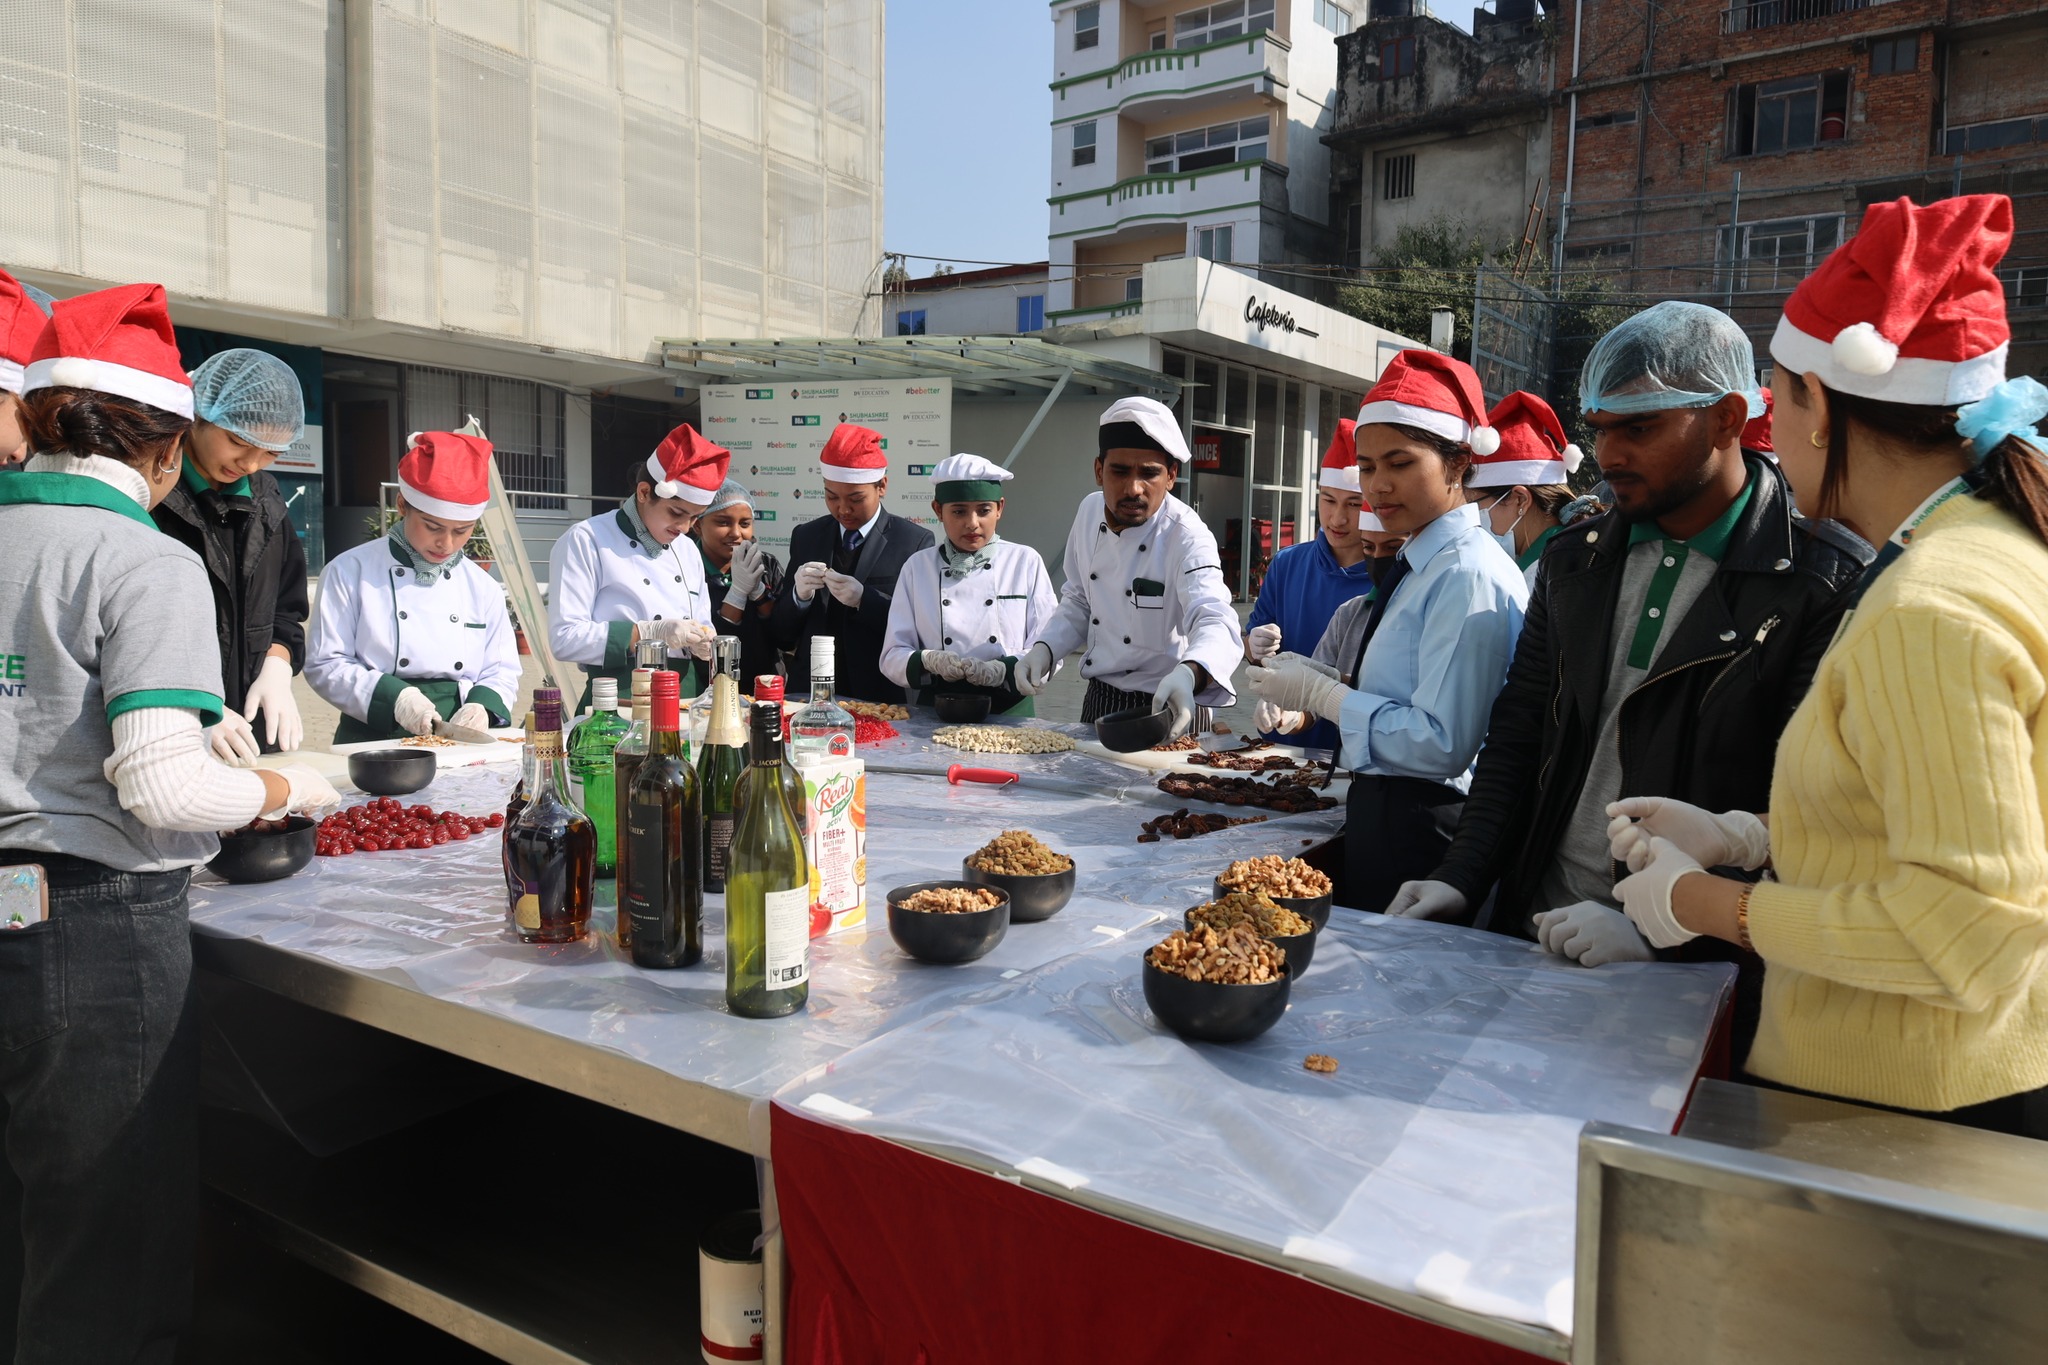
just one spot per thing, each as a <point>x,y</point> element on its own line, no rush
<point>1169,73</point>
<point>1235,185</point>
<point>1742,18</point>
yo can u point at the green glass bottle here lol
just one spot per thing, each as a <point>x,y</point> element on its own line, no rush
<point>768,890</point>
<point>721,762</point>
<point>590,763</point>
<point>625,765</point>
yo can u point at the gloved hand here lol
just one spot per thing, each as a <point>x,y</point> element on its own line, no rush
<point>749,567</point>
<point>1290,683</point>
<point>414,712</point>
<point>1733,839</point>
<point>1427,900</point>
<point>1592,935</point>
<point>1269,719</point>
<point>986,672</point>
<point>271,694</point>
<point>942,663</point>
<point>1646,896</point>
<point>1261,642</point>
<point>844,587</point>
<point>1034,670</point>
<point>685,636</point>
<point>471,714</point>
<point>809,578</point>
<point>305,790</point>
<point>1176,693</point>
<point>1327,670</point>
<point>233,742</point>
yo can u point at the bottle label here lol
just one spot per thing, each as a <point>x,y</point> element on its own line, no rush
<point>526,911</point>
<point>717,842</point>
<point>788,945</point>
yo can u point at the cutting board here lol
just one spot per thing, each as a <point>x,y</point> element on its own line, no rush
<point>453,756</point>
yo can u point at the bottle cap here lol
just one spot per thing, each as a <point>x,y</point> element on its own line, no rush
<point>547,713</point>
<point>604,694</point>
<point>667,685</point>
<point>765,729</point>
<point>821,655</point>
<point>664,712</point>
<point>642,681</point>
<point>768,687</point>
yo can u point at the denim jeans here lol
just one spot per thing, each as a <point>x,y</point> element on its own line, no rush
<point>99,1080</point>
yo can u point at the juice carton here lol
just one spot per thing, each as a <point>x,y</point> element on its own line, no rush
<point>836,843</point>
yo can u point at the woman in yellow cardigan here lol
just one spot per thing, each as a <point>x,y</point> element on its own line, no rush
<point>1905,938</point>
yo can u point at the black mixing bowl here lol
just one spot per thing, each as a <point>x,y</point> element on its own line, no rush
<point>931,936</point>
<point>961,708</point>
<point>265,855</point>
<point>1127,732</point>
<point>392,772</point>
<point>1205,1012</point>
<point>1033,897</point>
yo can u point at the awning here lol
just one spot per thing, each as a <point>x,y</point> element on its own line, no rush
<point>994,367</point>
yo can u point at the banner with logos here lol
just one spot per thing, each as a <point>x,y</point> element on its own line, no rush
<point>775,434</point>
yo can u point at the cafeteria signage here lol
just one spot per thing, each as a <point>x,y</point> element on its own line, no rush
<point>1264,315</point>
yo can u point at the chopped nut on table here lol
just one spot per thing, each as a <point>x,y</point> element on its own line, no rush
<point>1016,853</point>
<point>951,900</point>
<point>1236,957</point>
<point>1290,877</point>
<point>1319,1061</point>
<point>874,710</point>
<point>1255,912</point>
<point>1002,739</point>
<point>1177,746</point>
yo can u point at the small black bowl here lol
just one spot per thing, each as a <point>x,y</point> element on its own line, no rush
<point>1204,1012</point>
<point>392,772</point>
<point>1300,948</point>
<point>946,939</point>
<point>961,708</point>
<point>265,855</point>
<point>1127,732</point>
<point>1314,909</point>
<point>1032,897</point>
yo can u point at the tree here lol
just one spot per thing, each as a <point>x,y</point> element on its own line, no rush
<point>1430,266</point>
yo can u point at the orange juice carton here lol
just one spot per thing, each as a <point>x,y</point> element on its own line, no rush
<point>836,843</point>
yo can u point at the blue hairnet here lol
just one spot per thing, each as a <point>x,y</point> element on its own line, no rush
<point>251,393</point>
<point>1674,355</point>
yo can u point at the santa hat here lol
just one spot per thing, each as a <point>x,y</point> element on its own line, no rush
<point>446,475</point>
<point>1340,461</point>
<point>117,341</point>
<point>1910,309</point>
<point>853,455</point>
<point>1757,435</point>
<point>687,466</point>
<point>22,321</point>
<point>1430,390</point>
<point>1533,449</point>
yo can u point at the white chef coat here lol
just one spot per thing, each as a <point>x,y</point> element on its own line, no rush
<point>992,613</point>
<point>1131,640</point>
<point>372,621</point>
<point>600,583</point>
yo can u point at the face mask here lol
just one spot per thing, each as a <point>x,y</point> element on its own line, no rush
<point>1379,566</point>
<point>1505,539</point>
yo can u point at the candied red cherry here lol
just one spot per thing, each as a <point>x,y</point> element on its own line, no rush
<point>370,844</point>
<point>495,819</point>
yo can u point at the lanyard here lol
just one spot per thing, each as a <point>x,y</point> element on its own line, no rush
<point>1895,545</point>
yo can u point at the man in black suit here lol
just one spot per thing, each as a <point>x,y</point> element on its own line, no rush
<point>847,562</point>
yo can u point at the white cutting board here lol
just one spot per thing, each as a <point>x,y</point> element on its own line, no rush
<point>1148,761</point>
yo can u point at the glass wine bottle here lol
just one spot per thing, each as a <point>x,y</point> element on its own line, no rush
<point>664,827</point>
<point>823,729</point>
<point>768,894</point>
<point>551,848</point>
<point>723,759</point>
<point>625,763</point>
<point>590,762</point>
<point>768,688</point>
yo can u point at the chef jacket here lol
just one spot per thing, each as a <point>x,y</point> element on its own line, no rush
<point>377,632</point>
<point>601,583</point>
<point>1140,602</point>
<point>993,612</point>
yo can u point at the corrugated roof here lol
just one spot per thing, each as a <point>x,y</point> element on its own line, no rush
<point>997,367</point>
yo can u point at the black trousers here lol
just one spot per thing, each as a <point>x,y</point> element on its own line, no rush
<point>99,1084</point>
<point>1396,829</point>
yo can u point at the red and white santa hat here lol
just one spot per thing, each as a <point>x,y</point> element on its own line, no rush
<point>1340,470</point>
<point>1757,434</point>
<point>117,341</point>
<point>1533,449</point>
<point>686,465</point>
<point>1430,390</point>
<point>853,455</point>
<point>1910,309</point>
<point>22,323</point>
<point>446,475</point>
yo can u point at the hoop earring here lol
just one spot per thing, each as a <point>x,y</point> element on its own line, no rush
<point>1816,440</point>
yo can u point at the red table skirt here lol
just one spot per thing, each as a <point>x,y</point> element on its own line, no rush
<point>896,1258</point>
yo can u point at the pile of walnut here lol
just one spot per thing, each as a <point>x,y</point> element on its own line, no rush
<point>1182,825</point>
<point>874,710</point>
<point>1235,957</point>
<point>1288,877</point>
<point>1256,913</point>
<point>951,900</point>
<point>1016,853</point>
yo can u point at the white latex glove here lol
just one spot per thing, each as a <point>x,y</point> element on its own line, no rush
<point>1269,719</point>
<point>749,567</point>
<point>471,714</point>
<point>1176,693</point>
<point>1034,670</point>
<point>233,742</point>
<point>844,587</point>
<point>305,791</point>
<point>1261,642</point>
<point>414,712</point>
<point>271,694</point>
<point>986,672</point>
<point>1327,670</point>
<point>807,580</point>
<point>1427,900</point>
<point>1733,839</point>
<point>1646,896</point>
<point>1592,935</point>
<point>686,636</point>
<point>1290,683</point>
<point>942,663</point>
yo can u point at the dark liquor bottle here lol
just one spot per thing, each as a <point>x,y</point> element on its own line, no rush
<point>664,826</point>
<point>515,805</point>
<point>768,896</point>
<point>723,760</point>
<point>625,763</point>
<point>551,848</point>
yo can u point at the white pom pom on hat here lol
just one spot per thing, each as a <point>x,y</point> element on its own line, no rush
<point>1573,458</point>
<point>1861,349</point>
<point>1484,441</point>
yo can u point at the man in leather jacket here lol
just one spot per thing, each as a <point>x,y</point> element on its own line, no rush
<point>1666,645</point>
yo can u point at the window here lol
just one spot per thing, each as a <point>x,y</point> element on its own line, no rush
<point>1084,144</point>
<point>1031,313</point>
<point>526,422</point>
<point>1397,58</point>
<point>1890,56</point>
<point>1213,244</point>
<point>1786,115</point>
<point>2027,287</point>
<point>1397,176</point>
<point>1333,17</point>
<point>1218,145</point>
<point>1776,255</point>
<point>1087,26</point>
<point>910,322</point>
<point>1597,251</point>
<point>1156,40</point>
<point>1986,137</point>
<point>1134,288</point>
<point>1220,23</point>
<point>1617,117</point>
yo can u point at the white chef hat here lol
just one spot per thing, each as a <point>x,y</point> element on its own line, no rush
<point>968,478</point>
<point>1142,424</point>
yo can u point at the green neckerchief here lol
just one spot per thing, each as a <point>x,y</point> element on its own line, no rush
<point>425,572</point>
<point>636,530</point>
<point>1535,550</point>
<point>199,483</point>
<point>960,563</point>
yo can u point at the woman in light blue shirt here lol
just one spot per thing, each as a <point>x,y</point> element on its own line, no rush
<point>1413,676</point>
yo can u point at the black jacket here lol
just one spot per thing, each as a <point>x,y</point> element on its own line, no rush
<point>1702,728</point>
<point>258,570</point>
<point>755,630</point>
<point>860,630</point>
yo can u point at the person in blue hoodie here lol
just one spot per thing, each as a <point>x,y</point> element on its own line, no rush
<point>1306,583</point>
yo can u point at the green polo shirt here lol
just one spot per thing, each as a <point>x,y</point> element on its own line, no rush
<point>1712,543</point>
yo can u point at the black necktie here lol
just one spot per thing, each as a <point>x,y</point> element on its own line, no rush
<point>1383,593</point>
<point>849,550</point>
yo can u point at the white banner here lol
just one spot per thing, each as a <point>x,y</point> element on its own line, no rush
<point>303,456</point>
<point>775,435</point>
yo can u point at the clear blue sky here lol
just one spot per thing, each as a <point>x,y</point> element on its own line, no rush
<point>968,130</point>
